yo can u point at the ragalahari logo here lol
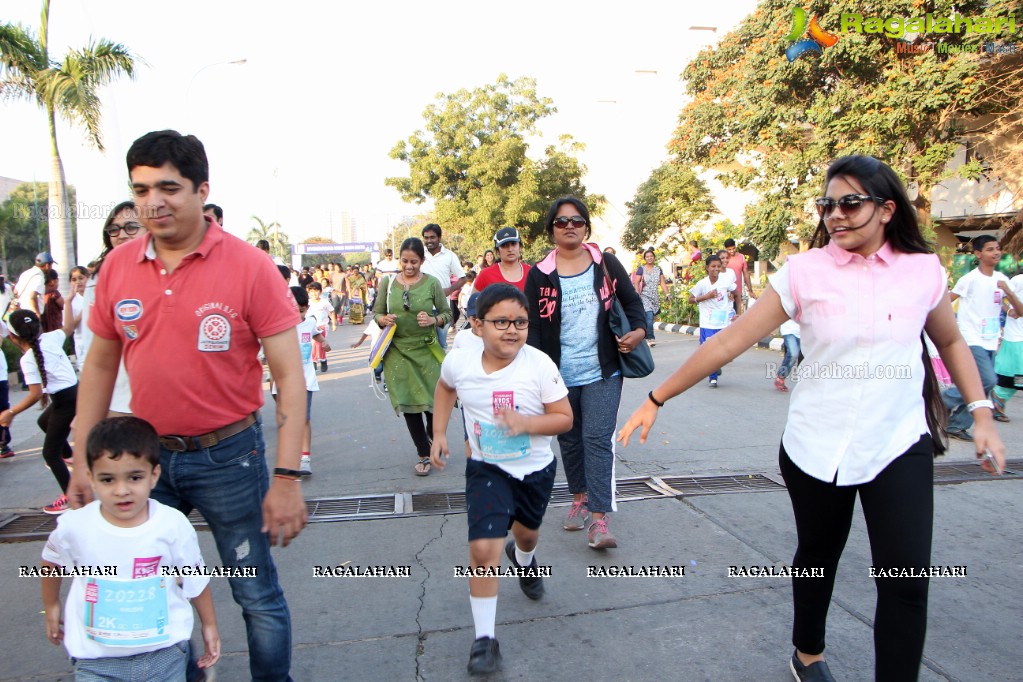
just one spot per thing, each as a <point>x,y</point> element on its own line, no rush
<point>819,38</point>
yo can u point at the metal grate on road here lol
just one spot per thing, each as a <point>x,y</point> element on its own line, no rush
<point>714,485</point>
<point>37,526</point>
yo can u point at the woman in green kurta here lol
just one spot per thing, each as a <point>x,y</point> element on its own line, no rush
<point>415,302</point>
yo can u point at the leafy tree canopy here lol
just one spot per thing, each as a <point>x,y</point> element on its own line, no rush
<point>672,195</point>
<point>273,234</point>
<point>772,126</point>
<point>24,228</point>
<point>471,161</point>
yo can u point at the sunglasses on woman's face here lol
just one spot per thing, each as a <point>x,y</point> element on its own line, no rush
<point>576,221</point>
<point>404,301</point>
<point>129,229</point>
<point>850,204</point>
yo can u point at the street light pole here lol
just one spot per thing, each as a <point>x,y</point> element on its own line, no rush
<point>191,82</point>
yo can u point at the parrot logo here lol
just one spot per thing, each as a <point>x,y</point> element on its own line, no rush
<point>819,38</point>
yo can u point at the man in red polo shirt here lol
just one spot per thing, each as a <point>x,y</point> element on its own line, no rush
<point>189,305</point>
<point>737,264</point>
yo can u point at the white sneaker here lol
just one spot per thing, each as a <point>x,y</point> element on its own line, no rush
<point>305,466</point>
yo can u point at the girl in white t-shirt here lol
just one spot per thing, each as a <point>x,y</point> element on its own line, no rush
<point>52,381</point>
<point>866,418</point>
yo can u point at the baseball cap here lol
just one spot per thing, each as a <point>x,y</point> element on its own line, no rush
<point>506,235</point>
<point>45,258</point>
<point>470,306</point>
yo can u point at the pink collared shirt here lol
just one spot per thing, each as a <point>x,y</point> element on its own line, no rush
<point>857,402</point>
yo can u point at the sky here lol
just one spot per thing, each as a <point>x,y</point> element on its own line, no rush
<point>300,133</point>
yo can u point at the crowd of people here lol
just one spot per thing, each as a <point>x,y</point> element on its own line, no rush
<point>537,359</point>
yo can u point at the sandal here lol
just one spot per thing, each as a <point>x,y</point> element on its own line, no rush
<point>1000,416</point>
<point>779,384</point>
<point>423,467</point>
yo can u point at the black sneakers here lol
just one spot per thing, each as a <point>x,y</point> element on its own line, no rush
<point>532,586</point>
<point>815,672</point>
<point>484,657</point>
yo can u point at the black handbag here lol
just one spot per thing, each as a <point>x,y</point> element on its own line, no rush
<point>640,362</point>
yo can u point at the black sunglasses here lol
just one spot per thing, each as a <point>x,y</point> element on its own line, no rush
<point>129,229</point>
<point>850,204</point>
<point>404,301</point>
<point>563,221</point>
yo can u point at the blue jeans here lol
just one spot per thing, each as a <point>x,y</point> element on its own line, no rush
<point>649,325</point>
<point>227,484</point>
<point>442,336</point>
<point>959,418</point>
<point>587,450</point>
<point>791,355</point>
<point>704,335</point>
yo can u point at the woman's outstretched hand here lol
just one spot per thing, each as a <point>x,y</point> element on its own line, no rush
<point>643,418</point>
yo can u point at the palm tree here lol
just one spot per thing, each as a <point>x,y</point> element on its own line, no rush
<point>271,232</point>
<point>68,88</point>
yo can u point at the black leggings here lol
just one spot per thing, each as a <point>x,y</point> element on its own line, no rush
<point>455,312</point>
<point>55,421</point>
<point>422,435</point>
<point>898,506</point>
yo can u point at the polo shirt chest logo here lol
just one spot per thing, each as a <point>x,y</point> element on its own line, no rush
<point>129,310</point>
<point>214,334</point>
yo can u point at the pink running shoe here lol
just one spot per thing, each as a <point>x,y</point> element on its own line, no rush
<point>578,516</point>
<point>59,506</point>
<point>599,535</point>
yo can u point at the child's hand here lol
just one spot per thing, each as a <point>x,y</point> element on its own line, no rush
<point>211,641</point>
<point>54,625</point>
<point>439,452</point>
<point>512,422</point>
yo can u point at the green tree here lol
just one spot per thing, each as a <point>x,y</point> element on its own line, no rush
<point>772,125</point>
<point>69,88</point>
<point>471,161</point>
<point>271,232</point>
<point>24,226</point>
<point>672,196</point>
<point>309,261</point>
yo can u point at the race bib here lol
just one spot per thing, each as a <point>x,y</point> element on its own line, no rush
<point>719,317</point>
<point>989,328</point>
<point>494,443</point>
<point>126,612</point>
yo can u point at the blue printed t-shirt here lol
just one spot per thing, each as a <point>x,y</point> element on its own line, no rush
<point>579,310</point>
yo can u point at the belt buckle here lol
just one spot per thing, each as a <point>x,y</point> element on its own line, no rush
<point>179,440</point>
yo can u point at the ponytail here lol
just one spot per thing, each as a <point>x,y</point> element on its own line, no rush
<point>25,325</point>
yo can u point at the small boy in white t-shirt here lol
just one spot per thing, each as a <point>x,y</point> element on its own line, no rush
<point>136,565</point>
<point>309,334</point>
<point>514,401</point>
<point>319,308</point>
<point>715,295</point>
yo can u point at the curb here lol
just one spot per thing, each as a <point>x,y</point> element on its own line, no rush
<point>767,343</point>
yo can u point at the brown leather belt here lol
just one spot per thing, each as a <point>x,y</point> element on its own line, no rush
<point>207,440</point>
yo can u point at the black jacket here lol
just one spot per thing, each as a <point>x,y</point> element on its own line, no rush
<point>543,291</point>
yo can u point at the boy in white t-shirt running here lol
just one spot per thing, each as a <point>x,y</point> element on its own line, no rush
<point>514,401</point>
<point>715,295</point>
<point>372,332</point>
<point>309,334</point>
<point>981,295</point>
<point>136,564</point>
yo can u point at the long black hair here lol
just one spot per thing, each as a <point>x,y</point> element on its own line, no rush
<point>903,234</point>
<point>25,325</point>
<point>108,245</point>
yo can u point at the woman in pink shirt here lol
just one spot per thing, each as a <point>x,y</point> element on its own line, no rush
<point>866,417</point>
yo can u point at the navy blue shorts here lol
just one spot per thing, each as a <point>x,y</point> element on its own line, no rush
<point>495,499</point>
